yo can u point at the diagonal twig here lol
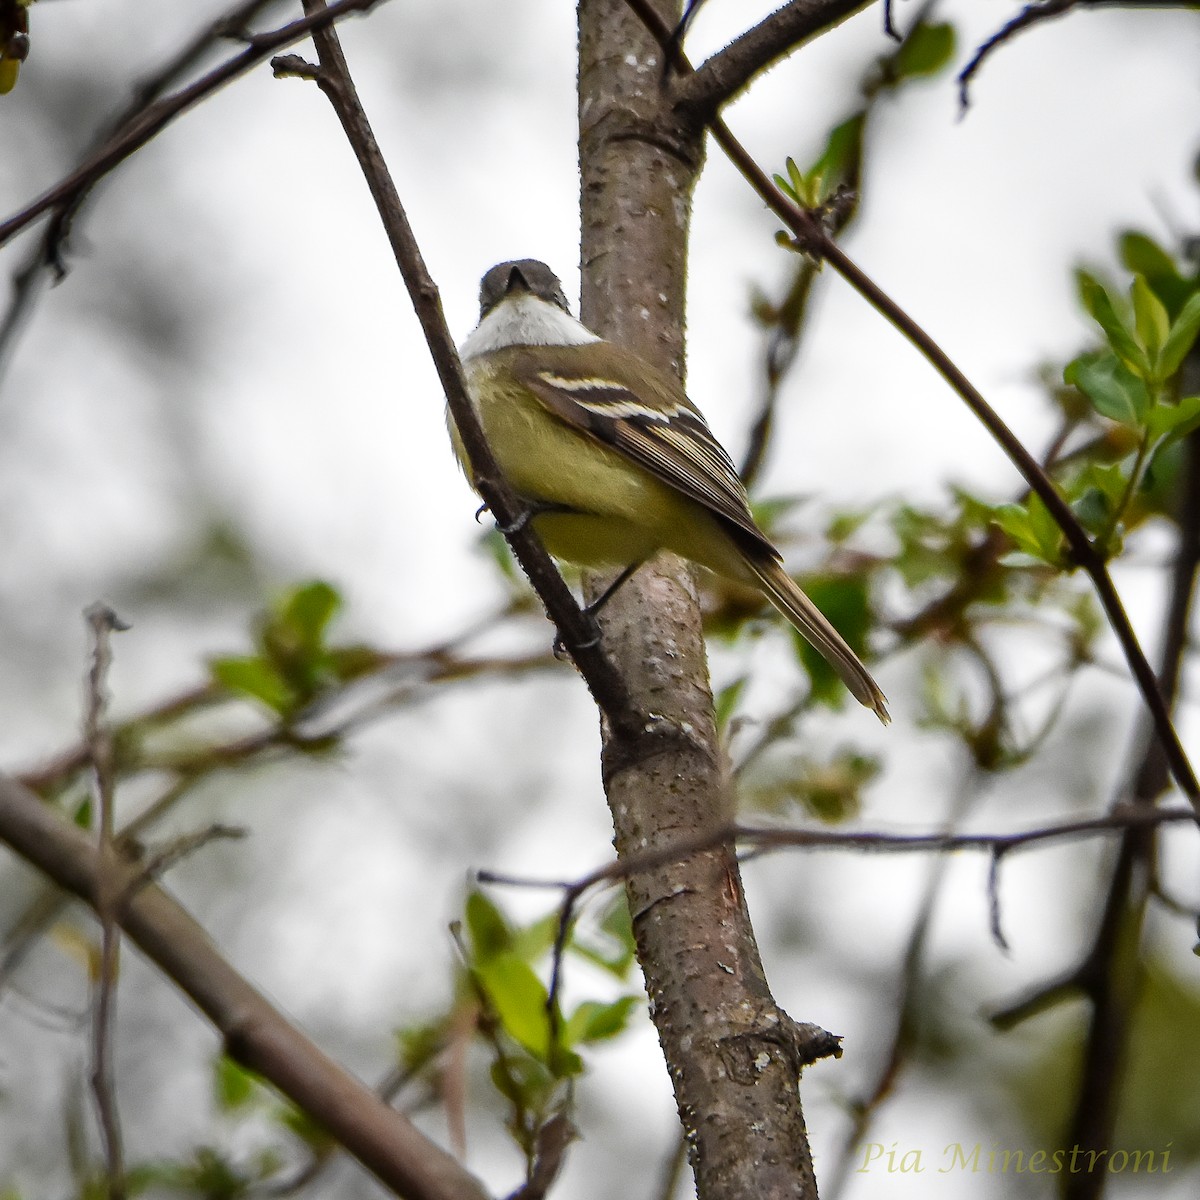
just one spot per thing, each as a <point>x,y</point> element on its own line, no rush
<point>576,630</point>
<point>1036,14</point>
<point>48,257</point>
<point>811,238</point>
<point>153,119</point>
<point>103,623</point>
<point>255,1033</point>
<point>761,840</point>
<point>730,71</point>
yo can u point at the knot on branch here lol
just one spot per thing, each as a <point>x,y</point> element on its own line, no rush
<point>663,128</point>
<point>777,1039</point>
<point>640,737</point>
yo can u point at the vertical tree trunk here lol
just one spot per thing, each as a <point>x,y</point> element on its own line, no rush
<point>733,1055</point>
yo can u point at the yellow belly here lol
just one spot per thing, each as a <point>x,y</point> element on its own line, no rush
<point>619,512</point>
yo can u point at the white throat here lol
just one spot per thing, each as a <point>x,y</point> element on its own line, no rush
<point>525,320</point>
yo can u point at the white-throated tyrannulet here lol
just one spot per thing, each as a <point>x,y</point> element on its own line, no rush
<point>613,459</point>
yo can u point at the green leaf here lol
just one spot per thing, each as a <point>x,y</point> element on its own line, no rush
<point>839,163</point>
<point>844,525</point>
<point>1174,420</point>
<point>418,1045</point>
<point>1094,511</point>
<point>1142,256</point>
<point>1096,494</point>
<point>1032,528</point>
<point>1100,305</point>
<point>533,940</point>
<point>1181,338</point>
<point>1160,486</point>
<point>82,816</point>
<point>233,1086</point>
<point>254,677</point>
<point>525,1081</point>
<point>616,954</point>
<point>490,933</point>
<point>800,187</point>
<point>726,700</point>
<point>832,791</point>
<point>1150,318</point>
<point>1110,479</point>
<point>309,609</point>
<point>208,1173</point>
<point>594,1022</point>
<point>843,599</point>
<point>495,545</point>
<point>302,1126</point>
<point>565,1063</point>
<point>829,788</point>
<point>795,185</point>
<point>1115,392</point>
<point>926,50</point>
<point>519,998</point>
<point>770,510</point>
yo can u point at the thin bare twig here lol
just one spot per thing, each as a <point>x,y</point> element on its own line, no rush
<point>48,257</point>
<point>889,24</point>
<point>672,1170</point>
<point>730,71</point>
<point>576,630</point>
<point>255,1033</point>
<point>184,846</point>
<point>812,239</point>
<point>331,714</point>
<point>1031,14</point>
<point>1036,14</point>
<point>993,895</point>
<point>189,768</point>
<point>102,623</point>
<point>764,839</point>
<point>549,1153</point>
<point>1113,971</point>
<point>761,840</point>
<point>153,119</point>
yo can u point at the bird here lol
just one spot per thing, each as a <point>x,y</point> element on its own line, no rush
<point>612,461</point>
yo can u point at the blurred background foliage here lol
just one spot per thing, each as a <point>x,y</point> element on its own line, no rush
<point>221,422</point>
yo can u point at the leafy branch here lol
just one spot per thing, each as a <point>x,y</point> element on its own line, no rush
<point>810,237</point>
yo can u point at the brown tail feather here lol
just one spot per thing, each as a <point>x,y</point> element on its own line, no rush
<point>782,591</point>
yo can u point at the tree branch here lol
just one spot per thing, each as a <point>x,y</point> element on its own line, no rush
<point>1113,972</point>
<point>103,622</point>
<point>757,840</point>
<point>191,766</point>
<point>812,239</point>
<point>1036,14</point>
<point>254,1032</point>
<point>153,119</point>
<point>730,71</point>
<point>48,256</point>
<point>576,630</point>
<point>736,1086</point>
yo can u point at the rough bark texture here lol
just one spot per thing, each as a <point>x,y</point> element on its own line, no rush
<point>734,1056</point>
